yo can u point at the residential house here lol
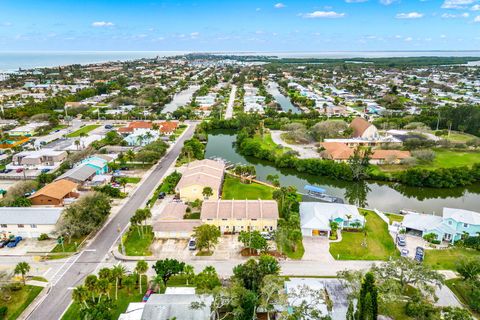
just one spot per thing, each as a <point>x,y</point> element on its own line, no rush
<point>170,222</point>
<point>175,303</point>
<point>380,156</point>
<point>167,127</point>
<point>341,152</point>
<point>134,126</point>
<point>57,193</point>
<point>99,163</point>
<point>142,137</point>
<point>363,129</point>
<point>451,226</point>
<point>27,130</point>
<point>233,216</point>
<point>38,159</point>
<point>80,174</point>
<point>198,175</point>
<point>316,217</point>
<point>28,222</point>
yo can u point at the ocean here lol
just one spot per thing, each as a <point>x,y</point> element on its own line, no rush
<point>12,61</point>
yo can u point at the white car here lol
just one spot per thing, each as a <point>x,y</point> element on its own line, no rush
<point>192,244</point>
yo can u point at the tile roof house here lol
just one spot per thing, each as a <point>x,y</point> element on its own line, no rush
<point>340,151</point>
<point>135,125</point>
<point>450,227</point>
<point>167,127</point>
<point>55,193</point>
<point>363,129</point>
<point>170,222</point>
<point>198,175</point>
<point>232,216</point>
<point>316,217</point>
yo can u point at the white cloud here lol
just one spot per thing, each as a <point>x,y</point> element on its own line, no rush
<point>477,19</point>
<point>258,9</point>
<point>409,15</point>
<point>6,24</point>
<point>387,2</point>
<point>453,16</point>
<point>475,7</point>
<point>194,35</point>
<point>443,36</point>
<point>102,24</point>
<point>279,5</point>
<point>323,14</point>
<point>408,39</point>
<point>456,4</point>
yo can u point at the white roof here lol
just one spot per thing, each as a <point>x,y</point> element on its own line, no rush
<point>421,222</point>
<point>317,215</point>
<point>41,216</point>
<point>461,215</point>
<point>134,311</point>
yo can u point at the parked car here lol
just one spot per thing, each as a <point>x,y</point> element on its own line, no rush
<point>401,240</point>
<point>108,126</point>
<point>8,170</point>
<point>45,170</point>
<point>3,171</point>
<point>13,243</point>
<point>419,254</point>
<point>4,242</point>
<point>266,235</point>
<point>19,170</point>
<point>161,195</point>
<point>404,252</point>
<point>192,244</point>
<point>147,295</point>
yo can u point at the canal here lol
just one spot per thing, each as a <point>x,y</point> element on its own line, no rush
<point>388,197</point>
<point>283,101</point>
<point>180,99</point>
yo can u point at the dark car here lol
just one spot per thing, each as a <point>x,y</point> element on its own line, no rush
<point>19,170</point>
<point>13,243</point>
<point>4,242</point>
<point>419,254</point>
<point>3,171</point>
<point>161,195</point>
<point>45,170</point>
<point>401,240</point>
<point>108,126</point>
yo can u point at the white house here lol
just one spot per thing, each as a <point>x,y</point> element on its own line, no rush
<point>28,222</point>
<point>316,217</point>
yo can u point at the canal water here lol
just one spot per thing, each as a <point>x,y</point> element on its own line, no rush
<point>180,99</point>
<point>283,101</point>
<point>383,196</point>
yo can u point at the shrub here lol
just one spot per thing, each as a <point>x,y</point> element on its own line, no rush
<point>424,155</point>
<point>3,312</point>
<point>43,236</point>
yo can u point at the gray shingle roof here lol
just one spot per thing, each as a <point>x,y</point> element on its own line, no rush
<point>79,174</point>
<point>41,216</point>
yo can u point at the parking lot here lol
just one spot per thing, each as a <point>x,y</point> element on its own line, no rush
<point>412,242</point>
<point>29,246</point>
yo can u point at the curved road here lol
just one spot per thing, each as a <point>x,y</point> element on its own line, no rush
<point>85,263</point>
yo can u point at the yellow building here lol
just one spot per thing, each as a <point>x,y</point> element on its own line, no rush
<point>198,175</point>
<point>233,216</point>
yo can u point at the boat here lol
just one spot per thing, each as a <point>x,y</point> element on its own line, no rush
<point>406,211</point>
<point>320,194</point>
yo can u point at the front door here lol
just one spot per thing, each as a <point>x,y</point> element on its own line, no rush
<point>447,237</point>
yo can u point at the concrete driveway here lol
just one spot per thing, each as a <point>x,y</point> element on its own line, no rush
<point>316,249</point>
<point>412,243</point>
<point>305,151</point>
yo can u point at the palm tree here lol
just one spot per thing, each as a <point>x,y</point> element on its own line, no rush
<point>79,295</point>
<point>140,139</point>
<point>118,272</point>
<point>148,136</point>
<point>103,287</point>
<point>130,155</point>
<point>189,272</point>
<point>91,285</point>
<point>22,268</point>
<point>141,268</point>
<point>349,216</point>
<point>122,182</point>
<point>77,144</point>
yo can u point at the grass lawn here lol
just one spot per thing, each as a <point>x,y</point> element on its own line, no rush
<point>69,245</point>
<point>452,158</point>
<point>461,289</point>
<point>457,137</point>
<point>179,281</point>
<point>394,217</point>
<point>380,244</point>
<point>121,305</point>
<point>234,189</point>
<point>20,300</point>
<point>446,259</point>
<point>295,255</point>
<point>135,244</point>
<point>133,180</point>
<point>268,144</point>
<point>85,129</point>
<point>59,127</point>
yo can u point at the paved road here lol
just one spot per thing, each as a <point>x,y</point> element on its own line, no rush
<point>86,262</point>
<point>231,100</point>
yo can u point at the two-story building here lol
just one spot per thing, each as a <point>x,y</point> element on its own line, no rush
<point>28,222</point>
<point>450,227</point>
<point>97,162</point>
<point>38,159</point>
<point>233,216</point>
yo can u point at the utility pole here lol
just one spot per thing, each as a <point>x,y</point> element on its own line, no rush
<point>438,120</point>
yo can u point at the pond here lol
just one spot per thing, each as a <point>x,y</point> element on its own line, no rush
<point>389,197</point>
<point>283,101</point>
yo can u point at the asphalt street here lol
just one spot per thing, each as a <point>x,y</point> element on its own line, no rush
<point>59,297</point>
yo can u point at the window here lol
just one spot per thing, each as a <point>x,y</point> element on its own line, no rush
<point>465,225</point>
<point>21,226</point>
<point>450,222</point>
<point>224,219</point>
<point>33,226</point>
<point>254,219</point>
<point>209,219</point>
<point>4,226</point>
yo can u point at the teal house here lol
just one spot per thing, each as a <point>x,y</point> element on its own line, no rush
<point>450,227</point>
<point>99,164</point>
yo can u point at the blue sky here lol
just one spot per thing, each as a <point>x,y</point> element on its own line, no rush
<point>242,25</point>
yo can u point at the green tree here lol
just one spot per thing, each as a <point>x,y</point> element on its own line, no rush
<point>207,279</point>
<point>251,273</point>
<point>167,268</point>
<point>91,285</point>
<point>271,294</point>
<point>253,240</point>
<point>80,296</point>
<point>22,268</point>
<point>368,299</point>
<point>141,268</point>
<point>469,268</point>
<point>206,236</point>
<point>207,192</point>
<point>118,272</point>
